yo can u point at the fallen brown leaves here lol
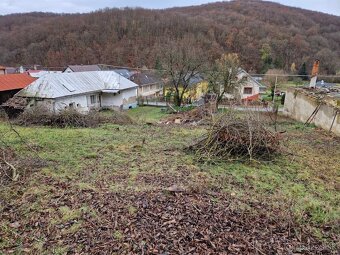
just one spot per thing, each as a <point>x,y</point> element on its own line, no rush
<point>153,222</point>
<point>14,167</point>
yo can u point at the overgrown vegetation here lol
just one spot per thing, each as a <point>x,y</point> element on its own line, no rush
<point>40,115</point>
<point>108,188</point>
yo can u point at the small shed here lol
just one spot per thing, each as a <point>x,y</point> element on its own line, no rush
<point>10,84</point>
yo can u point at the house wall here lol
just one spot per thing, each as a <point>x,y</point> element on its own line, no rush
<point>124,100</point>
<point>300,107</point>
<point>82,103</point>
<point>150,90</point>
<point>129,97</point>
<point>249,83</point>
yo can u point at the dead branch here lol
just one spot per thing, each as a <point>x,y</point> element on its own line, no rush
<point>15,175</point>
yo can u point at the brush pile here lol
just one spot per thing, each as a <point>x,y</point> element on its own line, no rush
<point>233,137</point>
<point>42,116</point>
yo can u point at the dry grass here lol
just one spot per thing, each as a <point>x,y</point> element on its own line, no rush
<point>107,187</point>
<point>42,116</point>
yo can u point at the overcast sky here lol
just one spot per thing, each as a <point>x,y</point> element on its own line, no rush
<point>71,6</point>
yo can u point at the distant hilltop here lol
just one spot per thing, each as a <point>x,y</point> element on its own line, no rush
<point>264,34</point>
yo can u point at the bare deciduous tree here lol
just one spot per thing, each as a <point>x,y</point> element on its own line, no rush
<point>223,77</point>
<point>182,62</point>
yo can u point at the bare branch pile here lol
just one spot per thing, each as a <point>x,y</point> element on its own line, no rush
<point>233,137</point>
<point>42,116</point>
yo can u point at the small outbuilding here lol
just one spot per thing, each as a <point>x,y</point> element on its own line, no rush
<point>10,84</point>
<point>82,91</point>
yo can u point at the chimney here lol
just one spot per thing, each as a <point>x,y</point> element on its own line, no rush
<point>315,73</point>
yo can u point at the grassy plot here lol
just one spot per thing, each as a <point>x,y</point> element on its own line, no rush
<point>106,188</point>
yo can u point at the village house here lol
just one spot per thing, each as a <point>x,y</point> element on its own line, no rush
<point>149,84</point>
<point>82,91</point>
<point>10,84</point>
<point>197,88</point>
<point>250,89</point>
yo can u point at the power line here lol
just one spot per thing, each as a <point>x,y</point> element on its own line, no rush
<point>203,71</point>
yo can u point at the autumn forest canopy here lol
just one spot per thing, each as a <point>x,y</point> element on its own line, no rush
<point>265,35</point>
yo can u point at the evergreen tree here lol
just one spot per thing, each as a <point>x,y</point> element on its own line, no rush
<point>303,71</point>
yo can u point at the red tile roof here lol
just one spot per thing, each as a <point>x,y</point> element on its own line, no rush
<point>252,98</point>
<point>15,81</point>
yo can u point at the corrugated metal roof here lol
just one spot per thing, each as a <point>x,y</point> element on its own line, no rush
<point>15,81</point>
<point>145,78</point>
<point>124,72</point>
<point>240,71</point>
<point>56,85</point>
<point>84,68</point>
<point>41,73</point>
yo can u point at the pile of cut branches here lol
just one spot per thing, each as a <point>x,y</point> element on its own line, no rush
<point>234,137</point>
<point>42,116</point>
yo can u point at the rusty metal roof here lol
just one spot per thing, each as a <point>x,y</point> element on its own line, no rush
<point>55,85</point>
<point>15,81</point>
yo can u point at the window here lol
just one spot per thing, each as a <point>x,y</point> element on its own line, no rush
<point>248,91</point>
<point>263,89</point>
<point>93,99</point>
<point>71,105</point>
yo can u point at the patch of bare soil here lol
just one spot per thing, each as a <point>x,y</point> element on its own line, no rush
<point>157,222</point>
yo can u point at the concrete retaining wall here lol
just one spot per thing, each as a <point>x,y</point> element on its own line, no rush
<point>300,106</point>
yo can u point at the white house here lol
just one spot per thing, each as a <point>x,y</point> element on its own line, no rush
<point>250,89</point>
<point>82,90</point>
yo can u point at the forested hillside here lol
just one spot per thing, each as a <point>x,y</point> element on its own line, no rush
<point>265,35</point>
